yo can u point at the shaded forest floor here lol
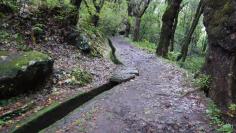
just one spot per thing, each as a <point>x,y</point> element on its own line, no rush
<point>153,102</point>
<point>67,58</point>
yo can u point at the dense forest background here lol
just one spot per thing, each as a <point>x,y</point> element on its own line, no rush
<point>197,35</point>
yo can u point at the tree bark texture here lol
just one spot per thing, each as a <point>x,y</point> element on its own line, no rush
<point>75,15</point>
<point>167,27</point>
<point>137,28</point>
<point>138,12</point>
<point>220,23</point>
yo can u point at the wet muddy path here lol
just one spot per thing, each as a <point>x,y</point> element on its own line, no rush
<point>151,103</point>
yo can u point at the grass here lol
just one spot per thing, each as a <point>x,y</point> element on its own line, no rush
<point>193,63</point>
<point>150,47</point>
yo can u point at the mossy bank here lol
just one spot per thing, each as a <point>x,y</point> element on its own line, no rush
<point>20,72</point>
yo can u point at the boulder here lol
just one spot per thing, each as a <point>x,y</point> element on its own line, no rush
<point>21,72</point>
<point>80,41</point>
<point>123,73</point>
<point>83,44</point>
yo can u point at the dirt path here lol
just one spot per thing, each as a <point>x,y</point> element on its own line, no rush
<point>151,103</point>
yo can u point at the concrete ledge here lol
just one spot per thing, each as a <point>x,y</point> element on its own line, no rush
<point>55,112</point>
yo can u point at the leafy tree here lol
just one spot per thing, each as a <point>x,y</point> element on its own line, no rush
<point>168,20</point>
<point>137,9</point>
<point>97,5</point>
<point>187,40</point>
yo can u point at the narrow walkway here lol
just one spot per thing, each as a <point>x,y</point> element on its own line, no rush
<point>151,103</point>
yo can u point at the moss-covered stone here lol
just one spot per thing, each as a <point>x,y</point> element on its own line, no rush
<point>20,72</point>
<point>10,64</point>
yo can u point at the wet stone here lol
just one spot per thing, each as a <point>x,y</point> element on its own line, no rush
<point>123,73</point>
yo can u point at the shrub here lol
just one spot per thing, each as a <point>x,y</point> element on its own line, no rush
<point>80,77</point>
<point>173,55</point>
<point>193,64</point>
<point>226,128</point>
<point>202,81</point>
<point>215,115</point>
<point>232,107</point>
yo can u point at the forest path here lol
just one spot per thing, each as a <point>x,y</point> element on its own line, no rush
<point>151,103</point>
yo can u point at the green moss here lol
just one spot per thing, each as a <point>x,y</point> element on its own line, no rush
<point>37,30</point>
<point>3,53</point>
<point>221,16</point>
<point>36,116</point>
<point>4,35</point>
<point>2,15</point>
<point>19,62</point>
<point>80,77</point>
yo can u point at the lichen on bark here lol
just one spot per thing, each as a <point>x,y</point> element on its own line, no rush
<point>220,23</point>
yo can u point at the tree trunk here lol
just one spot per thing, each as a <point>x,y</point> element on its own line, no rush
<point>95,20</point>
<point>172,40</point>
<point>127,28</point>
<point>204,45</point>
<point>138,11</point>
<point>167,27</point>
<point>185,45</point>
<point>98,6</point>
<point>75,15</point>
<point>220,23</point>
<point>96,17</point>
<point>137,29</point>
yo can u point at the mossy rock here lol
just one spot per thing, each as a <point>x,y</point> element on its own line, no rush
<point>21,72</point>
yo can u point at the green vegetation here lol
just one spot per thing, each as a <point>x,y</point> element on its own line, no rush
<point>146,45</point>
<point>173,55</point>
<point>2,122</point>
<point>36,116</point>
<point>226,128</point>
<point>203,81</point>
<point>3,53</point>
<point>4,35</point>
<point>14,113</point>
<point>80,77</point>
<point>20,61</point>
<point>171,29</point>
<point>232,107</point>
<point>215,115</point>
<point>38,28</point>
<point>50,3</point>
<point>112,53</point>
<point>16,38</point>
<point>193,64</point>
